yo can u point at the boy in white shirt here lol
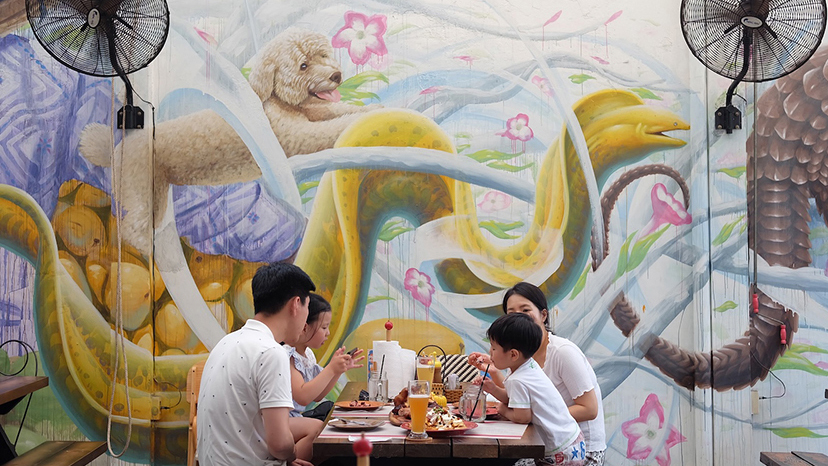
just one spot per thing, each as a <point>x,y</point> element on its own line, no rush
<point>529,396</point>
<point>245,396</point>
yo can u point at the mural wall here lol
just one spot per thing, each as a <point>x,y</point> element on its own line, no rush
<point>417,158</point>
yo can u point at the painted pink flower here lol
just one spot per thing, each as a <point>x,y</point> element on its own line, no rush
<point>544,85</point>
<point>466,58</point>
<point>206,36</point>
<point>666,209</point>
<point>362,36</point>
<point>379,62</point>
<point>493,201</point>
<point>644,432</point>
<point>431,90</point>
<point>419,284</point>
<point>600,60</point>
<point>517,128</point>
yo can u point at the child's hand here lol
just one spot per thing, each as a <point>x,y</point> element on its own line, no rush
<point>479,360</point>
<point>340,361</point>
<point>489,386</point>
<point>355,358</point>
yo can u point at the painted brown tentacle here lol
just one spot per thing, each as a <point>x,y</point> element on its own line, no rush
<point>610,197</point>
<point>731,367</point>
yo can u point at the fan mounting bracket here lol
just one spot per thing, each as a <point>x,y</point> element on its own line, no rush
<point>130,117</point>
<point>728,118</point>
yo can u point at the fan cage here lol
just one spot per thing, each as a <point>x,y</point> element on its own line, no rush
<point>790,35</point>
<point>137,28</point>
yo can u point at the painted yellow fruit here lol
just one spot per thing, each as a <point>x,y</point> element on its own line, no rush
<point>143,338</point>
<point>96,276</point>
<point>172,329</point>
<point>224,314</point>
<point>75,271</point>
<point>412,334</point>
<point>243,299</point>
<point>212,274</point>
<point>80,229</point>
<point>135,293</point>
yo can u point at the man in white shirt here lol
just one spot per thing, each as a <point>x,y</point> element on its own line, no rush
<point>245,396</point>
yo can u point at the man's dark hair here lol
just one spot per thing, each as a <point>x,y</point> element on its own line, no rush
<point>530,292</point>
<point>276,284</point>
<point>516,331</point>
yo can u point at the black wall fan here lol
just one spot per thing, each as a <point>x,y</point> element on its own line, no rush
<point>103,38</point>
<point>751,40</point>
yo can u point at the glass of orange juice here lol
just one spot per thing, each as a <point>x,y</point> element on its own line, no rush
<point>418,393</point>
<point>425,368</point>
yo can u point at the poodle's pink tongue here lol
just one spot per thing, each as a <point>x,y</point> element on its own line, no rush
<point>333,96</point>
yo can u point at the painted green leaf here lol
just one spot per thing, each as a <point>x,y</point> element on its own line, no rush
<point>818,233</point>
<point>307,186</point>
<point>580,78</point>
<point>350,95</point>
<point>734,172</point>
<point>622,256</point>
<point>487,155</point>
<point>580,284</point>
<point>373,299</point>
<point>645,93</point>
<point>357,80</point>
<point>357,103</point>
<point>642,247</point>
<point>463,135</point>
<point>509,168</point>
<point>246,72</point>
<point>398,28</point>
<point>305,200</point>
<point>795,361</point>
<point>726,231</point>
<point>800,348</point>
<point>743,228</point>
<point>795,432</point>
<point>462,147</point>
<point>392,229</point>
<point>499,229</point>
<point>726,306</point>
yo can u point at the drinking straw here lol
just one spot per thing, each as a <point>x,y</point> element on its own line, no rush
<point>382,364</point>
<point>474,408</point>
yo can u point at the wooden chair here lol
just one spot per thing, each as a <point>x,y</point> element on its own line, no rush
<point>193,384</point>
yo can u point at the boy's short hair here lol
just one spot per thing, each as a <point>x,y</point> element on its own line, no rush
<point>275,284</point>
<point>516,331</point>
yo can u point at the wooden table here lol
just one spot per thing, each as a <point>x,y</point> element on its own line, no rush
<point>455,450</point>
<point>14,387</point>
<point>793,458</point>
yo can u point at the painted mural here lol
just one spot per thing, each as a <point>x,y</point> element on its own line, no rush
<point>417,158</point>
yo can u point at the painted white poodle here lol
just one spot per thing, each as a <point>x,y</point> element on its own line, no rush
<point>295,75</point>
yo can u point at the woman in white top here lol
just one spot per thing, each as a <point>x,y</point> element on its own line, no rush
<point>565,365</point>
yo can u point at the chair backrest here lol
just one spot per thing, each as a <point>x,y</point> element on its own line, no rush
<point>458,364</point>
<point>193,385</point>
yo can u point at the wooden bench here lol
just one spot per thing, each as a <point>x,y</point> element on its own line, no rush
<point>60,454</point>
<point>793,458</point>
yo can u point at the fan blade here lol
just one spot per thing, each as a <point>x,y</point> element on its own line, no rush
<point>121,20</point>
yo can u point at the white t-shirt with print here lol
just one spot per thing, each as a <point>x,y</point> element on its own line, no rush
<point>246,372</point>
<point>569,369</point>
<point>529,387</point>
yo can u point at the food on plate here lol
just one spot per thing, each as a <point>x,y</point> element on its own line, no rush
<point>440,419</point>
<point>360,404</point>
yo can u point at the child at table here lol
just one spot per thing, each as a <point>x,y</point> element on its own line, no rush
<point>309,381</point>
<point>528,395</point>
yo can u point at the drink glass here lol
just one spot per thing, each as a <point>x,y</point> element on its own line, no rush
<point>425,368</point>
<point>418,393</point>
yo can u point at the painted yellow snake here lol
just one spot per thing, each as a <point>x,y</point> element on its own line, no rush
<point>351,206</point>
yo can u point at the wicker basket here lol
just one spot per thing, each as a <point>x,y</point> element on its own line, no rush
<point>437,388</point>
<point>453,396</point>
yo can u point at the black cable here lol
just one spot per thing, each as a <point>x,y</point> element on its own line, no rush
<point>784,388</point>
<point>180,398</point>
<point>25,363</point>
